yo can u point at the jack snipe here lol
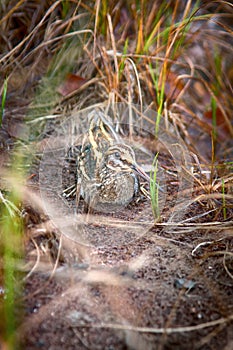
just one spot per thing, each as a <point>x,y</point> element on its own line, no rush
<point>107,172</point>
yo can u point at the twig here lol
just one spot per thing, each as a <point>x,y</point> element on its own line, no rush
<point>164,330</point>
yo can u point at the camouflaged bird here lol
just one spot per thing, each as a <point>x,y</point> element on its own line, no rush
<point>107,172</point>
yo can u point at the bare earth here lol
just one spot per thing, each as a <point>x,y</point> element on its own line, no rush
<point>125,291</point>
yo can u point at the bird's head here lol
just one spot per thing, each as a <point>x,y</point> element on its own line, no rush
<point>121,158</point>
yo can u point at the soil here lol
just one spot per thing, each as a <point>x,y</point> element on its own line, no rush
<point>121,288</point>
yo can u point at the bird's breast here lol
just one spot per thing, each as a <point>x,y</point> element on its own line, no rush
<point>118,189</point>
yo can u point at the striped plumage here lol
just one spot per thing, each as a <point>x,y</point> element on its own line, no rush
<point>107,172</point>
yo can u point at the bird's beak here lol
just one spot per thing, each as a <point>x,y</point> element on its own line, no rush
<point>140,172</point>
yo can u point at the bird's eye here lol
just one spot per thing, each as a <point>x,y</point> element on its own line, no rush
<point>117,155</point>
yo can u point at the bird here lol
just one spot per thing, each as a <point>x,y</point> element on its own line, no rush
<point>114,182</point>
<point>108,176</point>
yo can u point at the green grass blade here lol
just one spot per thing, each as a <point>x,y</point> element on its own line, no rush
<point>3,100</point>
<point>154,189</point>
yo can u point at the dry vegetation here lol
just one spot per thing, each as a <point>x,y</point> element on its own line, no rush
<point>130,280</point>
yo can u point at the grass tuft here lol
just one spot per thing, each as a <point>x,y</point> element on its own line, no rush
<point>11,228</point>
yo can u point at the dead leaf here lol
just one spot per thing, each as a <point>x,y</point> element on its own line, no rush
<point>222,127</point>
<point>72,83</point>
<point>173,86</point>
